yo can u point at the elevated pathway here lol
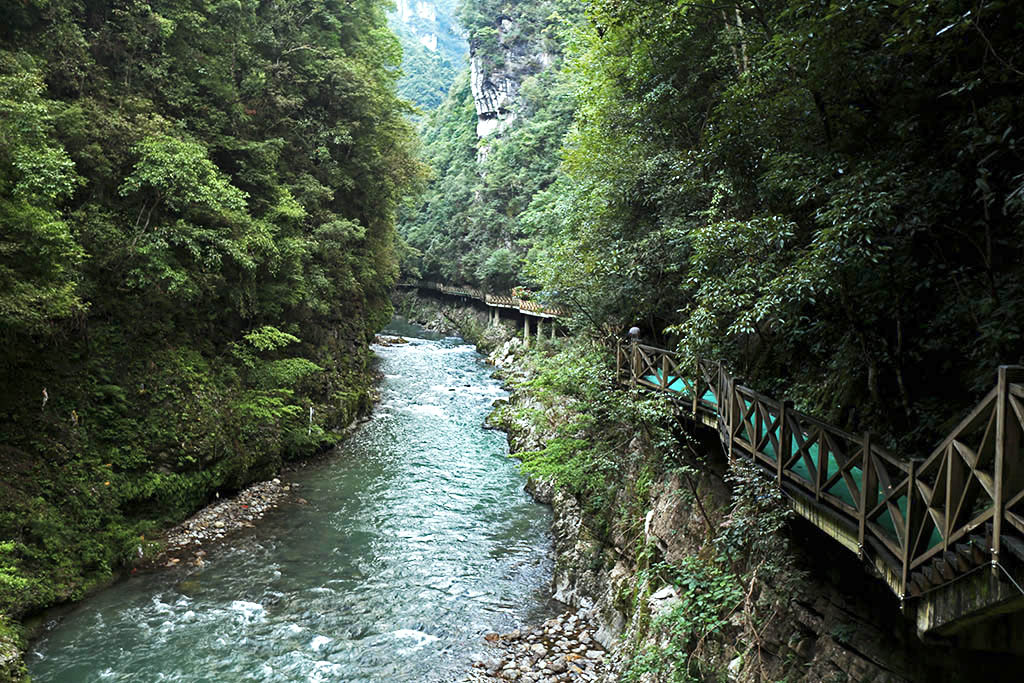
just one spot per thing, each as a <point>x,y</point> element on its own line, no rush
<point>495,302</point>
<point>945,532</point>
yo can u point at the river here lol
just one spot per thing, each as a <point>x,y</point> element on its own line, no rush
<point>417,540</point>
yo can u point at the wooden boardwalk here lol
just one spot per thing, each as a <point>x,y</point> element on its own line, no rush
<point>928,525</point>
<point>524,306</point>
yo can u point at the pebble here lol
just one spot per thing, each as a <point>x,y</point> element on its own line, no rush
<point>561,649</point>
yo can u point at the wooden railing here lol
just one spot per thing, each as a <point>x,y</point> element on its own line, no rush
<point>922,522</point>
<point>496,300</point>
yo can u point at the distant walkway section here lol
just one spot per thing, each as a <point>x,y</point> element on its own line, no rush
<point>524,306</point>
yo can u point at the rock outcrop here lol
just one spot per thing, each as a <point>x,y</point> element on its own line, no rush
<point>499,62</point>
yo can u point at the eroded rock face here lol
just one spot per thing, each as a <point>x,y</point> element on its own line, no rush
<point>497,71</point>
<point>834,623</point>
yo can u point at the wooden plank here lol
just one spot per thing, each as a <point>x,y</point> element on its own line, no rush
<point>1015,519</point>
<point>841,505</point>
<point>987,482</point>
<point>968,422</point>
<point>967,453</point>
<point>879,535</point>
<point>946,566</point>
<point>962,557</point>
<point>1016,499</point>
<point>821,424</point>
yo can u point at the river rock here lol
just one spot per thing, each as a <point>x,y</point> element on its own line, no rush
<point>560,650</point>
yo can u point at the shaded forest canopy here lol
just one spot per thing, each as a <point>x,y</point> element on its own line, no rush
<point>197,201</point>
<point>828,196</point>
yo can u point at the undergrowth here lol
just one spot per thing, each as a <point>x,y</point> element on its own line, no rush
<point>612,449</point>
<point>598,433</point>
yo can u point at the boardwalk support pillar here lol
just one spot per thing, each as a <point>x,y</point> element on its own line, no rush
<point>526,331</point>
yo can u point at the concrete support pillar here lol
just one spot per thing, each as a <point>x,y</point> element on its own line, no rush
<point>526,331</point>
<point>553,326</point>
<point>539,321</point>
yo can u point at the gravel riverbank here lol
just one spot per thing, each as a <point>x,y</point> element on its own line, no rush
<point>561,649</point>
<point>185,542</point>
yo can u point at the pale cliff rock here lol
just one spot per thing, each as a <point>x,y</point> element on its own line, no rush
<point>495,79</point>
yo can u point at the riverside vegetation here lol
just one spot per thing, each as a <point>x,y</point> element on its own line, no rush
<point>197,201</point>
<point>610,450</point>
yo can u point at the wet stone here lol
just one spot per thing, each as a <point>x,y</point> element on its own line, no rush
<point>559,650</point>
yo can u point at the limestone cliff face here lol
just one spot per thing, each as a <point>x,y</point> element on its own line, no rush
<point>500,60</point>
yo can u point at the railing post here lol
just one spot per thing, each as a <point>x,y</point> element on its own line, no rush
<point>634,361</point>
<point>908,528</point>
<point>822,474</point>
<point>1007,442</point>
<point>785,440</point>
<point>723,399</point>
<point>732,414</point>
<point>664,372</point>
<point>696,386</point>
<point>867,483</point>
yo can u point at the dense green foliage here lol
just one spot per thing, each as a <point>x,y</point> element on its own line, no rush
<point>427,74</point>
<point>473,224</point>
<point>590,426</point>
<point>827,195</point>
<point>197,202</point>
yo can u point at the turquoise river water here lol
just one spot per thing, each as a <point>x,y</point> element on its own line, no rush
<point>417,540</point>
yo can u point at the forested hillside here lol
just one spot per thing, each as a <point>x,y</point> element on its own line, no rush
<point>197,204</point>
<point>827,196</point>
<point>433,49</point>
<point>475,221</point>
